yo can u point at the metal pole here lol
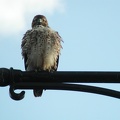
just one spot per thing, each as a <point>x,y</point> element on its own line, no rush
<point>61,80</point>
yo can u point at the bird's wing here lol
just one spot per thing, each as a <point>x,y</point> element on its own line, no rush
<point>26,46</point>
<point>56,39</point>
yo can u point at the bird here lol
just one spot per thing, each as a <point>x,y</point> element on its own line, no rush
<point>41,47</point>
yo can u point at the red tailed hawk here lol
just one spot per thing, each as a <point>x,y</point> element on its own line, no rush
<point>41,47</point>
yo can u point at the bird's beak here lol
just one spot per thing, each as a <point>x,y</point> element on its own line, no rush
<point>41,20</point>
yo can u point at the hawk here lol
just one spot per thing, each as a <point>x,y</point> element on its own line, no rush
<point>41,47</point>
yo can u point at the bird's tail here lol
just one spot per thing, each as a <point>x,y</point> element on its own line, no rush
<point>37,92</point>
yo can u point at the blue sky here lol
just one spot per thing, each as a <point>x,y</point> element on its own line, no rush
<point>91,33</point>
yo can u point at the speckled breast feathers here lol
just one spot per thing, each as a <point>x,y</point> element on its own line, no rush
<point>41,48</point>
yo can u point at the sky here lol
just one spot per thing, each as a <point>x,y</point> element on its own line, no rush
<point>90,30</point>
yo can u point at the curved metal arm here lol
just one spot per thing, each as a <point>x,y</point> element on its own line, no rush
<point>71,87</point>
<point>16,96</point>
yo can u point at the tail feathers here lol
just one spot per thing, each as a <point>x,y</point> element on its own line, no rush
<point>37,92</point>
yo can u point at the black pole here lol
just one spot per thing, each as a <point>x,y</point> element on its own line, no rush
<point>60,80</point>
<point>12,75</point>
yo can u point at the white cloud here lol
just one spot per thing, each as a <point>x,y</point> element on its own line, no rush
<point>13,12</point>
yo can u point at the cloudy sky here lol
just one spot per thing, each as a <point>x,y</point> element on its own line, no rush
<point>91,33</point>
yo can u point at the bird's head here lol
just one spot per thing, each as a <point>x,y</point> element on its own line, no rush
<point>39,20</point>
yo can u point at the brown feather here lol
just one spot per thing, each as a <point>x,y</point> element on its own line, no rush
<point>41,49</point>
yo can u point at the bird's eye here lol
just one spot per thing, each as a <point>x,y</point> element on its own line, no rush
<point>44,20</point>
